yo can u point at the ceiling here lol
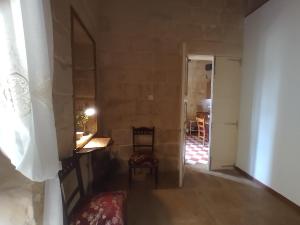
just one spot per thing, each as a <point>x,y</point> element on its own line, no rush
<point>252,5</point>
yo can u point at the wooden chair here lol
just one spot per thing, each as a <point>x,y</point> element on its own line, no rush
<point>104,208</point>
<point>193,127</point>
<point>201,130</point>
<point>204,115</point>
<point>143,153</point>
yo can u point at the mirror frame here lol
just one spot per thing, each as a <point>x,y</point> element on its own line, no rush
<point>75,16</point>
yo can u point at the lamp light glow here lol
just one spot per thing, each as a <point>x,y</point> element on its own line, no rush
<point>90,111</point>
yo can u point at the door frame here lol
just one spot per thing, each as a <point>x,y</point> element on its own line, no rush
<point>184,89</point>
<point>199,57</point>
<point>212,58</point>
<point>182,125</point>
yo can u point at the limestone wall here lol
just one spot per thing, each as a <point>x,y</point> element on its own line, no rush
<point>139,60</point>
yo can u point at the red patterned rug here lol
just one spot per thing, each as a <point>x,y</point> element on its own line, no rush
<point>194,151</point>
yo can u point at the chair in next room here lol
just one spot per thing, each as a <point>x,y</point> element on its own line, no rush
<point>201,130</point>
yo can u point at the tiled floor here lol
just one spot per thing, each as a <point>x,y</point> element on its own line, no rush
<point>195,152</point>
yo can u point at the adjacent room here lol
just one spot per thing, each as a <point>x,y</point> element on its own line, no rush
<point>134,112</point>
<point>199,73</point>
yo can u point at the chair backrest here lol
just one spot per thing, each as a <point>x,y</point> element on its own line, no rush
<point>204,115</point>
<point>68,166</point>
<point>148,144</point>
<point>201,124</point>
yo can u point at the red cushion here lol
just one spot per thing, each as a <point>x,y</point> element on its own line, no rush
<point>103,209</point>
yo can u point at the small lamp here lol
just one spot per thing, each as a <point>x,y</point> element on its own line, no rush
<point>90,111</point>
<point>83,117</point>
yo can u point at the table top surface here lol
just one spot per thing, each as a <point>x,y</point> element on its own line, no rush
<point>95,144</point>
<point>83,140</point>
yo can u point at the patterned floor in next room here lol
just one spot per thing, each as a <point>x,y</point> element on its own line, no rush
<point>195,153</point>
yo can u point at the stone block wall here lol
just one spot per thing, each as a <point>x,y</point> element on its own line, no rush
<point>140,63</point>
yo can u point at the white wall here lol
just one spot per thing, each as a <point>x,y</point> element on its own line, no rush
<point>269,134</point>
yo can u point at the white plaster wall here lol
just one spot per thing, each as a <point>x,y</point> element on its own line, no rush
<point>269,117</point>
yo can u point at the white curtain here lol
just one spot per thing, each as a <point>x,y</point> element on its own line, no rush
<point>27,131</point>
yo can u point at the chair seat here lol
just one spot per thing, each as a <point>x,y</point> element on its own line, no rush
<point>105,208</point>
<point>146,160</point>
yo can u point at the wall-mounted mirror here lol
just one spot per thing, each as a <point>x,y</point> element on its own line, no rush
<point>84,81</point>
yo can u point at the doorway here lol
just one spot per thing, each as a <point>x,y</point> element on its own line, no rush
<point>198,110</point>
<point>222,113</point>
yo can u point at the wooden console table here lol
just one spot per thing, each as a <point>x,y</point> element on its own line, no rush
<point>97,149</point>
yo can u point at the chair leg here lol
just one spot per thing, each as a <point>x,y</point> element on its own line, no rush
<point>156,176</point>
<point>129,177</point>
